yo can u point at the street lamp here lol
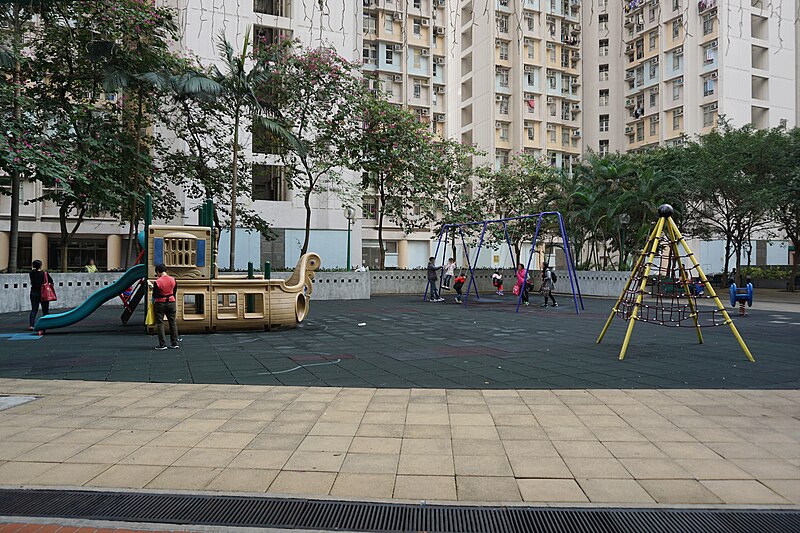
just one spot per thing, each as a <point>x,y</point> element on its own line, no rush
<point>624,220</point>
<point>350,215</point>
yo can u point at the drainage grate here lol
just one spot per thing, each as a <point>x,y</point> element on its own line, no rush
<point>243,511</point>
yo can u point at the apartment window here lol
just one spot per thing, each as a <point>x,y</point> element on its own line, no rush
<point>709,55</point>
<point>417,89</point>
<point>603,147</point>
<point>504,51</point>
<point>708,116</point>
<point>676,28</point>
<point>551,52</point>
<point>268,183</point>
<point>640,131</point>
<point>564,58</point>
<point>676,5</point>
<point>417,4</point>
<point>676,119</point>
<point>388,24</point>
<point>676,91</point>
<point>502,77</point>
<point>653,97</point>
<point>653,70</point>
<point>369,208</point>
<point>504,132</point>
<point>708,23</point>
<point>677,60</point>
<point>502,23</point>
<point>551,109</point>
<point>504,106</point>
<point>652,14</point>
<point>500,158</point>
<point>564,137</point>
<point>603,123</point>
<point>531,133</point>
<point>603,97</point>
<point>709,86</point>
<point>653,40</point>
<point>530,77</point>
<point>417,55</point>
<point>603,72</point>
<point>370,54</point>
<point>389,56</point>
<point>553,158</point>
<point>603,47</point>
<point>551,81</point>
<point>565,115</point>
<point>370,24</point>
<point>551,27</point>
<point>653,126</point>
<point>531,22</point>
<point>602,22</point>
<point>435,70</point>
<point>551,132</point>
<point>602,4</point>
<point>268,7</point>
<point>417,28</point>
<point>531,51</point>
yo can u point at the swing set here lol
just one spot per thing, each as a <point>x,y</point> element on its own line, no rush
<point>456,230</point>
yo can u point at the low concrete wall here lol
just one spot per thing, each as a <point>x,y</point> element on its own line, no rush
<point>71,289</point>
<point>337,285</point>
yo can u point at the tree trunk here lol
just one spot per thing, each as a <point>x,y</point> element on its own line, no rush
<point>134,214</point>
<point>234,183</point>
<point>380,226</point>
<point>726,268</point>
<point>15,177</point>
<point>307,205</point>
<point>793,272</point>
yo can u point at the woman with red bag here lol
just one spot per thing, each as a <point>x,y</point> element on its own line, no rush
<point>522,283</point>
<point>38,279</point>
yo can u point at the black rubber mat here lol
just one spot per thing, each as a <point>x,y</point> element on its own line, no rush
<point>243,511</point>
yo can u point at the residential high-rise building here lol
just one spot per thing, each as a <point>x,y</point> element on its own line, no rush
<point>519,78</point>
<point>674,66</point>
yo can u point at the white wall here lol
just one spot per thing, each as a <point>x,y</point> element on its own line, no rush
<point>248,248</point>
<point>331,245</point>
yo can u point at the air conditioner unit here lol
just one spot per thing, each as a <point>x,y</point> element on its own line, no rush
<point>713,44</point>
<point>528,42</point>
<point>425,83</point>
<point>714,75</point>
<point>576,107</point>
<point>498,98</point>
<point>679,51</point>
<point>654,61</point>
<point>714,106</point>
<point>424,22</point>
<point>438,60</point>
<point>528,68</point>
<point>498,125</point>
<point>439,3</point>
<point>576,134</point>
<point>498,42</point>
<point>398,17</point>
<point>576,56</point>
<point>630,102</point>
<point>576,29</point>
<point>629,20</point>
<point>551,100</point>
<point>628,129</point>
<point>528,96</point>
<point>425,111</point>
<point>629,47</point>
<point>438,31</point>
<point>438,118</point>
<point>390,48</point>
<point>425,52</point>
<point>678,112</point>
<point>398,78</point>
<point>655,118</point>
<point>629,75</point>
<point>440,89</point>
<point>679,80</point>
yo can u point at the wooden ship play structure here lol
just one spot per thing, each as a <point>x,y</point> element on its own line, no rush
<point>205,301</point>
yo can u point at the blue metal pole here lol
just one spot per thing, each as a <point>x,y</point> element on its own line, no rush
<point>444,259</point>
<point>530,258</point>
<point>469,265</point>
<point>435,255</point>
<point>573,276</point>
<point>472,272</point>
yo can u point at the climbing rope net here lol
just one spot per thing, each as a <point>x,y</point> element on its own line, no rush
<point>673,290</point>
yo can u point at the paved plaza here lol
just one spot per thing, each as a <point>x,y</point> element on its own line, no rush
<point>424,402</point>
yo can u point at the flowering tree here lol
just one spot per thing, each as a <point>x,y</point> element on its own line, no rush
<point>315,95</point>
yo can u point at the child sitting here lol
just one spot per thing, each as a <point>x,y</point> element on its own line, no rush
<point>458,285</point>
<point>449,270</point>
<point>497,281</point>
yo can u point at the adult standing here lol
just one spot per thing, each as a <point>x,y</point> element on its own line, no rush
<point>164,288</point>
<point>548,284</point>
<point>521,286</point>
<point>38,278</point>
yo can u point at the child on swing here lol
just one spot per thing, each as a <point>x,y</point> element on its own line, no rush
<point>449,270</point>
<point>497,281</point>
<point>458,285</point>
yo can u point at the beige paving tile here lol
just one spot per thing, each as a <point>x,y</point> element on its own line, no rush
<point>325,443</point>
<point>131,437</point>
<point>261,459</point>
<point>614,491</point>
<point>236,441</point>
<point>411,487</point>
<point>550,490</point>
<point>199,425</point>
<point>11,450</point>
<point>363,485</point>
<point>275,442</point>
<point>514,420</point>
<point>375,445</point>
<point>69,475</point>
<point>154,455</point>
<point>427,431</point>
<point>515,432</point>
<point>288,428</point>
<point>487,489</point>
<point>179,438</point>
<point>426,465</point>
<point>534,448</point>
<point>308,483</point>
<point>596,467</point>
<point>20,473</point>
<point>184,478</point>
<point>126,476</point>
<point>478,447</point>
<point>789,489</point>
<point>41,435</point>
<point>370,463</point>
<point>768,468</point>
<point>243,480</point>
<point>54,453</point>
<point>236,425</point>
<point>581,449</point>
<point>209,457</point>
<point>440,419</point>
<point>539,467</point>
<point>427,446</point>
<point>628,434</point>
<point>230,404</point>
<point>713,469</point>
<point>625,449</point>
<point>84,436</point>
<point>315,461</point>
<point>334,428</point>
<point>655,469</point>
<point>380,430</point>
<point>743,450</point>
<point>471,420</point>
<point>743,492</point>
<point>102,453</point>
<point>569,433</point>
<point>388,417</point>
<point>678,491</point>
<point>687,450</point>
<point>482,465</point>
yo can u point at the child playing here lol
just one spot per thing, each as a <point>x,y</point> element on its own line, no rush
<point>548,285</point>
<point>458,285</point>
<point>433,280</point>
<point>497,281</point>
<point>449,270</point>
<point>522,283</point>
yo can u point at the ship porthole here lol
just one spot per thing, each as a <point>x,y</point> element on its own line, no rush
<point>301,307</point>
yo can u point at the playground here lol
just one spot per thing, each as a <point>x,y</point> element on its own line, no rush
<point>406,342</point>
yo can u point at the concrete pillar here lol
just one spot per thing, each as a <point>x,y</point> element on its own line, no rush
<point>402,253</point>
<point>113,252</point>
<point>39,249</point>
<point>4,244</point>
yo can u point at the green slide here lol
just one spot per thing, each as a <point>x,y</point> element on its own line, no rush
<point>94,301</point>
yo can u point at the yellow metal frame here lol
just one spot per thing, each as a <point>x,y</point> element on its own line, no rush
<point>649,253</point>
